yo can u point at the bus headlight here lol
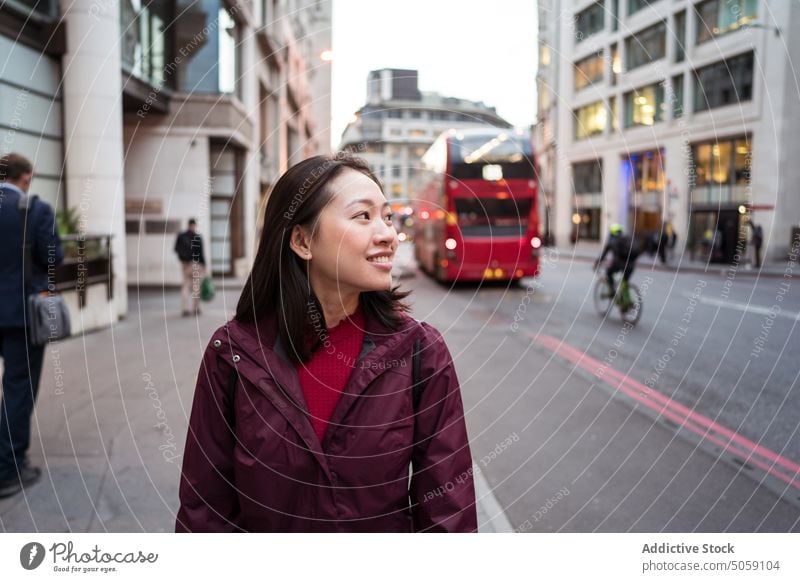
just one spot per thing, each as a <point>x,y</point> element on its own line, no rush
<point>536,242</point>
<point>450,244</point>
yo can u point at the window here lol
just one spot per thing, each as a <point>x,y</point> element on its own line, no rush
<point>416,114</point>
<point>646,46</point>
<point>394,114</point>
<point>612,105</point>
<point>373,148</point>
<point>210,62</point>
<point>586,224</point>
<point>680,36</point>
<point>636,5</point>
<point>589,70</point>
<point>648,171</point>
<point>644,106</point>
<point>614,15</point>
<point>544,55</point>
<point>144,40</point>
<point>38,8</point>
<point>590,120</point>
<point>724,83</point>
<point>716,17</point>
<point>587,177</point>
<point>721,171</point>
<point>616,65</point>
<point>676,96</point>
<point>590,21</point>
<point>228,52</point>
<point>470,154</point>
<point>492,216</point>
<point>544,95</point>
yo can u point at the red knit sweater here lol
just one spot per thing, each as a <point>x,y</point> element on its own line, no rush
<point>326,374</point>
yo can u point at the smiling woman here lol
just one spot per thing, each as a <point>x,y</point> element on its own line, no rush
<point>304,415</point>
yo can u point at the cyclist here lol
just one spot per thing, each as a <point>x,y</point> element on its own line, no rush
<point>625,251</point>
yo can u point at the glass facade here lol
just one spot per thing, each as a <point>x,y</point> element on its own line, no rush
<point>726,82</point>
<point>144,40</point>
<point>716,17</point>
<point>31,115</point>
<point>616,64</point>
<point>644,106</point>
<point>648,171</point>
<point>646,46</point>
<point>612,105</point>
<point>589,70</point>
<point>589,21</point>
<point>676,96</point>
<point>680,36</point>
<point>586,223</point>
<point>587,177</point>
<point>614,15</point>
<point>590,120</point>
<point>207,41</point>
<point>721,171</point>
<point>636,5</point>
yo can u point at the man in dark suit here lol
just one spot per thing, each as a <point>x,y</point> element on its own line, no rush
<point>189,247</point>
<point>22,362</point>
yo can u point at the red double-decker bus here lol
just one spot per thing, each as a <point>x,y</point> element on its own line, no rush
<point>475,215</point>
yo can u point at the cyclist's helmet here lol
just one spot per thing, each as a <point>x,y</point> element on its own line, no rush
<point>615,229</point>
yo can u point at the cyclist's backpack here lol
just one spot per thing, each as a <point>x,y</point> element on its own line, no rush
<point>626,247</point>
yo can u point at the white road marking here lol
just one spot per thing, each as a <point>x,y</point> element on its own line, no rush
<point>491,517</point>
<point>746,307</point>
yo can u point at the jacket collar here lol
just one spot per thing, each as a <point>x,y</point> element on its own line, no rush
<point>261,353</point>
<point>12,188</point>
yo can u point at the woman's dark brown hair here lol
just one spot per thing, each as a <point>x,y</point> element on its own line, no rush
<point>278,284</point>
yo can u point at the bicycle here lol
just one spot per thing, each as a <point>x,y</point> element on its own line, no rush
<point>629,304</point>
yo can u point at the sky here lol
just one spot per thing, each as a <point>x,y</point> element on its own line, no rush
<point>469,49</point>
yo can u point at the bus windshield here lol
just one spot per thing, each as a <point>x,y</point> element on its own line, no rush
<point>492,216</point>
<point>510,155</point>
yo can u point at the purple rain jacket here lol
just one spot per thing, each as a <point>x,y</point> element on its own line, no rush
<point>271,473</point>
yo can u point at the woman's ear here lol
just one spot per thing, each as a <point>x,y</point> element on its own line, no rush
<point>300,241</point>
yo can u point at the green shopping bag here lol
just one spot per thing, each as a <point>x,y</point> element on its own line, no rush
<point>207,289</point>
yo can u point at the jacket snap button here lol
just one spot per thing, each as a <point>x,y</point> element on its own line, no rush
<point>217,343</point>
<point>236,358</point>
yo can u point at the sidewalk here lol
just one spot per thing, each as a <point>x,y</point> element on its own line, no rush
<point>588,252</point>
<point>111,419</point>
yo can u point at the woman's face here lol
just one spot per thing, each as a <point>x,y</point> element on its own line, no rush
<point>353,243</point>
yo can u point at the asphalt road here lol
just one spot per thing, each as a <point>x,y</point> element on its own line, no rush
<point>688,422</point>
<point>562,424</point>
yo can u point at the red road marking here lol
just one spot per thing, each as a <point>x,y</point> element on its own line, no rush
<point>765,459</point>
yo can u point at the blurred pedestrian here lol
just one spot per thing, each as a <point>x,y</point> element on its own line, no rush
<point>663,241</point>
<point>313,401</point>
<point>23,272</point>
<point>756,239</point>
<point>189,247</point>
<point>672,240</point>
